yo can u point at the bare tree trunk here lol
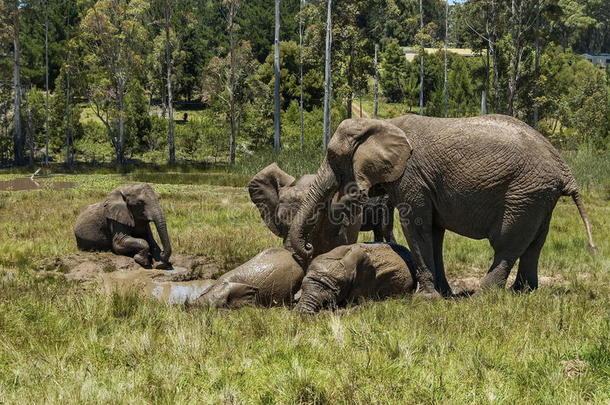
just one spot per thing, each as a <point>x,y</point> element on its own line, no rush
<point>421,61</point>
<point>276,88</point>
<point>350,83</point>
<point>486,84</point>
<point>121,143</point>
<point>327,75</point>
<point>46,77</point>
<point>232,79</point>
<point>301,73</point>
<point>168,63</point>
<point>446,82</point>
<point>494,55</point>
<point>30,131</point>
<point>17,132</point>
<point>536,116</point>
<point>517,51</point>
<point>68,133</point>
<point>376,84</point>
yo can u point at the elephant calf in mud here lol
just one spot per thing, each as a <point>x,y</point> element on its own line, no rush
<point>270,278</point>
<point>358,271</point>
<point>121,224</point>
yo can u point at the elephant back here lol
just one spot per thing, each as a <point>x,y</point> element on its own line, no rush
<point>91,229</point>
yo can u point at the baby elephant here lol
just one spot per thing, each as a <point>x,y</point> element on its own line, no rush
<point>121,224</point>
<point>270,278</point>
<point>362,270</point>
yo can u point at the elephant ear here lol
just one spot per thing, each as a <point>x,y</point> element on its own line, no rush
<point>264,189</point>
<point>115,208</point>
<point>379,150</point>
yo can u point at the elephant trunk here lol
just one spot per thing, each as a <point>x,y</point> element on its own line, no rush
<point>323,188</point>
<point>159,220</point>
<point>308,305</point>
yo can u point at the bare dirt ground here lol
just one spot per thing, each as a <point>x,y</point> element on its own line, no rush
<point>87,267</point>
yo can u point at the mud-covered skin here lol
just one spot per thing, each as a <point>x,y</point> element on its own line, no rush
<point>278,197</point>
<point>490,177</point>
<point>270,278</point>
<point>121,224</point>
<point>353,272</point>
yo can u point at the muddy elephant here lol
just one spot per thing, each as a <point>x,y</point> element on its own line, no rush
<point>489,177</point>
<point>353,272</point>
<point>121,224</point>
<point>270,278</point>
<point>278,196</point>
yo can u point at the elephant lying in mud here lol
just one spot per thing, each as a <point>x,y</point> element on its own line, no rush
<point>270,278</point>
<point>350,273</point>
<point>489,177</point>
<point>121,224</point>
<point>278,196</point>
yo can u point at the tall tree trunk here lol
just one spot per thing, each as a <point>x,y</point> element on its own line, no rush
<point>517,51</point>
<point>446,81</point>
<point>276,86</point>
<point>30,131</point>
<point>486,83</point>
<point>302,137</point>
<point>68,133</point>
<point>327,75</point>
<point>421,60</point>
<point>536,116</point>
<point>376,84</point>
<point>121,96</point>
<point>17,132</point>
<point>350,83</point>
<point>170,106</point>
<point>232,81</point>
<point>494,56</point>
<point>46,79</point>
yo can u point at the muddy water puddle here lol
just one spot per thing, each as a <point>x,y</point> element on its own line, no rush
<point>23,184</point>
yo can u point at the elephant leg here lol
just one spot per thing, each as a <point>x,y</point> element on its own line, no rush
<point>130,246</point>
<point>527,275</point>
<point>388,227</point>
<point>441,284</point>
<point>498,272</point>
<point>377,233</point>
<point>155,250</point>
<point>420,239</point>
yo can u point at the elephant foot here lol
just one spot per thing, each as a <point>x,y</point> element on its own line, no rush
<point>429,294</point>
<point>142,260</point>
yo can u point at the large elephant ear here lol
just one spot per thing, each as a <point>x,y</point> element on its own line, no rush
<point>264,191</point>
<point>379,150</point>
<point>115,208</point>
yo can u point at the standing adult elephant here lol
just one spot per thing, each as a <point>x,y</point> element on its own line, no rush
<point>488,177</point>
<point>121,224</point>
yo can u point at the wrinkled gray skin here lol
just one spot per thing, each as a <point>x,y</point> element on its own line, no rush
<point>268,279</point>
<point>121,224</point>
<point>353,272</point>
<point>278,197</point>
<point>378,216</point>
<point>489,177</point>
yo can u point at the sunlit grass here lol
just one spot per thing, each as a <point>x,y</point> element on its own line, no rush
<point>60,343</point>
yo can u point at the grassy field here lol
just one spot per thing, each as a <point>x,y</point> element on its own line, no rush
<point>62,343</point>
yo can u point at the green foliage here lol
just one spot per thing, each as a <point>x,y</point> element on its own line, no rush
<point>393,67</point>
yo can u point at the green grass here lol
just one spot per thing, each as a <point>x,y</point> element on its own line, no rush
<point>62,343</point>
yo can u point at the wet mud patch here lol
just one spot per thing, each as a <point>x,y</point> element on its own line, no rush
<point>87,267</point>
<point>26,183</point>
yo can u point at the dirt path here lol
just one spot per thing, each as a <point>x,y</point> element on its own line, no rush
<point>357,113</point>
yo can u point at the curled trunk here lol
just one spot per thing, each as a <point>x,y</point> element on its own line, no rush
<point>308,305</point>
<point>323,188</point>
<point>159,220</point>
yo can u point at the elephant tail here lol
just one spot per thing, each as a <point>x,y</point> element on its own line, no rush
<point>573,192</point>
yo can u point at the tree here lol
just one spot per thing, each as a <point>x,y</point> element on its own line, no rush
<point>276,70</point>
<point>115,39</point>
<point>229,83</point>
<point>327,74</point>
<point>18,140</point>
<point>393,69</point>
